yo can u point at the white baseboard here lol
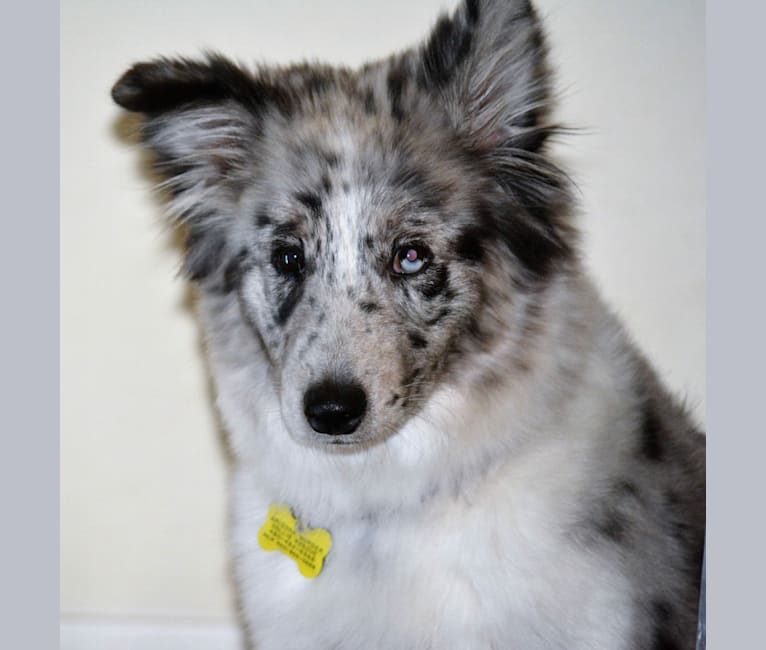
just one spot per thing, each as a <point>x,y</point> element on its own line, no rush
<point>95,634</point>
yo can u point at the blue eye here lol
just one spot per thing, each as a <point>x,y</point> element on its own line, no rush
<point>410,259</point>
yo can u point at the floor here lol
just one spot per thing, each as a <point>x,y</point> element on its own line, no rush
<point>99,633</point>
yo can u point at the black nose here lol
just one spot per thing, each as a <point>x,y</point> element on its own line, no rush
<point>334,408</point>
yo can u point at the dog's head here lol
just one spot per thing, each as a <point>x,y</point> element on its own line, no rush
<point>376,227</point>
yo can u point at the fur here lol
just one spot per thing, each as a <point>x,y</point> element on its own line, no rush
<point>519,477</point>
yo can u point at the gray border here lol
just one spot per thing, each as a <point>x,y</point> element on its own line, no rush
<point>736,107</point>
<point>29,345</point>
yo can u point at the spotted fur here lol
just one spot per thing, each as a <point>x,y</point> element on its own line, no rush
<point>519,477</point>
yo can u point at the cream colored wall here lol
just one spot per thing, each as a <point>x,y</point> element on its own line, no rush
<point>142,480</point>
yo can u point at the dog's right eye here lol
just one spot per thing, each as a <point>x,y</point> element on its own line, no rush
<point>288,260</point>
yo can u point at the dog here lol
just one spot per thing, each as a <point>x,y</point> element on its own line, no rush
<point>409,357</point>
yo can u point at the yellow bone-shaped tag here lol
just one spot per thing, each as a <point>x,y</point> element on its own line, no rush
<point>307,547</point>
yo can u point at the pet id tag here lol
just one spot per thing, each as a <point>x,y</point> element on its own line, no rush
<point>308,547</point>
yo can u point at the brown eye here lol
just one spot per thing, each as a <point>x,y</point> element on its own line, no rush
<point>410,259</point>
<point>288,260</point>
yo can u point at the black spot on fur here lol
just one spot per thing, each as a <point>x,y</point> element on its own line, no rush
<point>613,521</point>
<point>626,489</point>
<point>368,100</point>
<point>326,184</point>
<point>681,531</point>
<point>662,612</point>
<point>436,319</point>
<point>662,621</point>
<point>415,182</point>
<point>470,245</point>
<point>289,303</point>
<point>533,249</point>
<point>286,230</point>
<point>394,399</point>
<point>166,84</point>
<point>435,282</point>
<point>262,219</point>
<point>447,47</point>
<point>417,340</point>
<point>368,242</point>
<point>331,159</point>
<point>232,274</point>
<point>536,247</point>
<point>368,307</point>
<point>473,328</point>
<point>612,525</point>
<point>651,434</point>
<point>472,10</point>
<point>205,249</point>
<point>395,84</point>
<point>314,79</point>
<point>311,200</point>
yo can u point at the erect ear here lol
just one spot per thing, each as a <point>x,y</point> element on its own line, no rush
<point>486,66</point>
<point>487,62</point>
<point>201,121</point>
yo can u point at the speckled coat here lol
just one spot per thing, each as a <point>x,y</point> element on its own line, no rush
<point>510,472</point>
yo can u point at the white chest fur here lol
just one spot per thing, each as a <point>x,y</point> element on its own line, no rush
<point>494,572</point>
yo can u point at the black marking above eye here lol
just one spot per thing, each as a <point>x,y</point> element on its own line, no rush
<point>288,260</point>
<point>262,219</point>
<point>312,201</point>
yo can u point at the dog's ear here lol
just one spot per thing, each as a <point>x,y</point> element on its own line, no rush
<point>487,64</point>
<point>486,67</point>
<point>201,122</point>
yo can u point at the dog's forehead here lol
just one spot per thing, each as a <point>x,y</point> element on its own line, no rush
<point>336,143</point>
<point>314,164</point>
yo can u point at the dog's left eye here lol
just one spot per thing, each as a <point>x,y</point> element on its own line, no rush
<point>410,259</point>
<point>288,260</point>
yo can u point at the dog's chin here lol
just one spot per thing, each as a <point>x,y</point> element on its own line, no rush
<point>349,443</point>
<point>329,441</point>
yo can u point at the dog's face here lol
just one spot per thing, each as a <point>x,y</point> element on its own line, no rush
<point>373,226</point>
